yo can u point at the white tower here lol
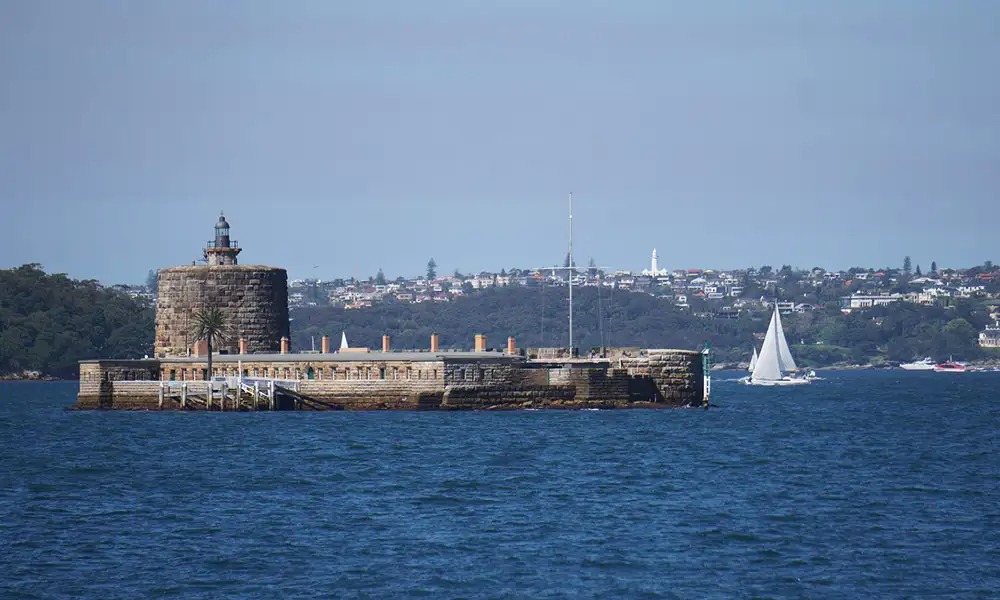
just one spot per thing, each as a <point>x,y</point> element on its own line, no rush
<point>653,266</point>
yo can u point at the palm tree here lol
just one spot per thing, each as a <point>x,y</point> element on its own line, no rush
<point>210,325</point>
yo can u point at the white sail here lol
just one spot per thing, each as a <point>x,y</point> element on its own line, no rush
<point>768,367</point>
<point>784,353</point>
<point>753,360</point>
<point>343,340</point>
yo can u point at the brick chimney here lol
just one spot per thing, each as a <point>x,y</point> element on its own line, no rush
<point>435,343</point>
<point>284,345</point>
<point>385,344</point>
<point>511,348</point>
<point>243,345</point>
<point>480,342</point>
<point>324,344</point>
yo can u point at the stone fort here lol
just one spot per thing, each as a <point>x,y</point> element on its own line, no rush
<point>256,369</point>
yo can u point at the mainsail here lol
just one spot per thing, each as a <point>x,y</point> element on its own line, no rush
<point>768,367</point>
<point>753,360</point>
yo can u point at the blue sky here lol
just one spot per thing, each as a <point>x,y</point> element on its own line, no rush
<point>341,137</point>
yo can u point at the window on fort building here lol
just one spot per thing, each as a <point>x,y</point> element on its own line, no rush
<point>288,373</point>
<point>298,373</point>
<point>256,372</point>
<point>409,373</point>
<point>246,373</point>
<point>381,373</point>
<point>173,375</point>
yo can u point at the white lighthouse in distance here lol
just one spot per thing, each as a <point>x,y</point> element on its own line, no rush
<point>654,267</point>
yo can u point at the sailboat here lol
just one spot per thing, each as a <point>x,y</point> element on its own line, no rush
<point>774,364</point>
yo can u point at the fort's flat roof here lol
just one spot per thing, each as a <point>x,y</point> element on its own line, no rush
<point>409,356</point>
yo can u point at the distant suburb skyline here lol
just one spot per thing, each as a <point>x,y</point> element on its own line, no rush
<point>340,138</point>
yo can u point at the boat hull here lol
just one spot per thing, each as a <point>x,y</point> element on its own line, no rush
<point>776,382</point>
<point>949,367</point>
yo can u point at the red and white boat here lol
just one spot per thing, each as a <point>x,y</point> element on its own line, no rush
<point>949,366</point>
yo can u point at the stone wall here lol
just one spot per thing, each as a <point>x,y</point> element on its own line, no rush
<point>492,397</point>
<point>498,373</point>
<point>372,394</point>
<point>650,378</point>
<point>253,298</point>
<point>98,380</point>
<point>307,369</point>
<point>677,376</point>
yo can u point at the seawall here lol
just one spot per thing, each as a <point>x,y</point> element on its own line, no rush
<point>396,381</point>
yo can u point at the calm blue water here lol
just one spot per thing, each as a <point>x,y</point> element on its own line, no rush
<point>864,485</point>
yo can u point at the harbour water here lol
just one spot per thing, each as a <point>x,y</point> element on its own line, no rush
<point>866,484</point>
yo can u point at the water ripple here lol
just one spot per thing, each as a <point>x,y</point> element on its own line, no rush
<point>866,485</point>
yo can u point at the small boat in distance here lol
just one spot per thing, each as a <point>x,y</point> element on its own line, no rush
<point>926,364</point>
<point>949,366</point>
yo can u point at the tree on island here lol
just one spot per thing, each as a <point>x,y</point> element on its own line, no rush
<point>934,267</point>
<point>918,273</point>
<point>380,278</point>
<point>210,325</point>
<point>907,266</point>
<point>431,270</point>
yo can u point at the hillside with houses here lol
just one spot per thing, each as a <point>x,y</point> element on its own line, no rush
<point>853,316</point>
<point>856,316</point>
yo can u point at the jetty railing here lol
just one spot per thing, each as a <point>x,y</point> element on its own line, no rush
<point>227,393</point>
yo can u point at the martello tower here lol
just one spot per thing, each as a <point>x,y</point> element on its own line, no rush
<point>253,298</point>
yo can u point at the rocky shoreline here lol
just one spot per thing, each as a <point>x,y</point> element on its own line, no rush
<point>30,376</point>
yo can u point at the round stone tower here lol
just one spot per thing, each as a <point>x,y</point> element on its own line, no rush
<point>253,298</point>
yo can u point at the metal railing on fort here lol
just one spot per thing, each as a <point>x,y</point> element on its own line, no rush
<point>232,244</point>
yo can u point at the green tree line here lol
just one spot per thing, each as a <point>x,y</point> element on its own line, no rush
<point>50,322</point>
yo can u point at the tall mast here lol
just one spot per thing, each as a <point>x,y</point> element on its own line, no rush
<point>571,272</point>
